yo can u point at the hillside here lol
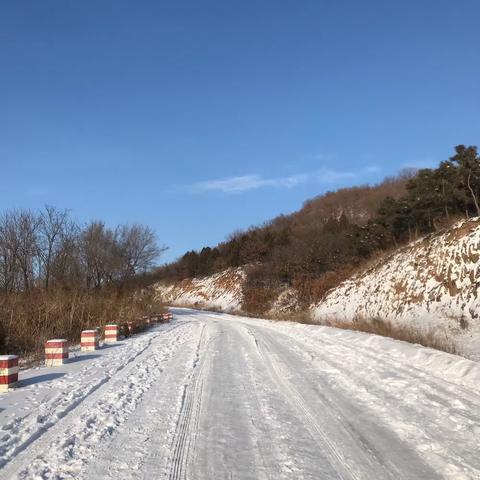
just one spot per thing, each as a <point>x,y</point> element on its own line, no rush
<point>222,291</point>
<point>431,283</point>
<point>303,242</point>
<point>319,260</point>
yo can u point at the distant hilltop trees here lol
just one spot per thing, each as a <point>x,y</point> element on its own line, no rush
<point>321,244</point>
<point>433,195</point>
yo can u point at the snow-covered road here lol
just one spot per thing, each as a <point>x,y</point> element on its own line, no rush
<point>213,396</point>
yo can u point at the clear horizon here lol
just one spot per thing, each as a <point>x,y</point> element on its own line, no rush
<point>199,120</point>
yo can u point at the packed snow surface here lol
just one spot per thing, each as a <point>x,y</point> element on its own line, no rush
<point>215,396</point>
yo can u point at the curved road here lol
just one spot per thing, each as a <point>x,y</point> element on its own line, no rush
<point>223,397</point>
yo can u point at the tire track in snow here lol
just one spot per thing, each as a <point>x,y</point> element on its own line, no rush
<point>266,448</point>
<point>295,398</point>
<point>232,428</point>
<point>187,423</point>
<point>394,419</point>
<point>364,448</point>
<point>148,433</point>
<point>401,411</point>
<point>268,418</point>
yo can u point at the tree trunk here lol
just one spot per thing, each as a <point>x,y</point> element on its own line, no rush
<point>473,195</point>
<point>443,194</point>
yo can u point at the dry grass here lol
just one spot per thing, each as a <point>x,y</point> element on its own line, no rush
<point>27,320</point>
<point>432,338</point>
<point>299,316</point>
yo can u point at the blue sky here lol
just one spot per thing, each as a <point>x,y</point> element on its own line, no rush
<point>200,118</point>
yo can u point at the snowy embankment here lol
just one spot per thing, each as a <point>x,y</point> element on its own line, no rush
<point>432,284</point>
<point>310,402</point>
<point>221,291</point>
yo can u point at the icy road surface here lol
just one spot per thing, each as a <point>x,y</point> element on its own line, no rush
<point>213,396</point>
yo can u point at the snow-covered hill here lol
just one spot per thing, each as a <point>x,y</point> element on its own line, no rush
<point>221,291</point>
<point>432,283</point>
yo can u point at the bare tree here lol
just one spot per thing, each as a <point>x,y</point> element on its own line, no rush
<point>51,225</point>
<point>138,248</point>
<point>49,249</point>
<point>27,224</point>
<point>18,250</point>
<point>100,254</point>
<point>9,247</point>
<point>67,267</point>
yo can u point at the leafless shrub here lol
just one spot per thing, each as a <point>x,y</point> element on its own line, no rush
<point>27,319</point>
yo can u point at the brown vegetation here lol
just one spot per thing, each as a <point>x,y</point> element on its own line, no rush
<point>310,290</point>
<point>311,250</point>
<point>257,300</point>
<point>28,319</point>
<point>338,233</point>
<point>359,204</point>
<point>430,338</point>
<point>58,277</point>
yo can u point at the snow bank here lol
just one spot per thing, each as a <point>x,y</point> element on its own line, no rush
<point>433,362</point>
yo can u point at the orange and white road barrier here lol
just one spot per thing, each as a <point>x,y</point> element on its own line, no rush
<point>89,341</point>
<point>56,352</point>
<point>8,372</point>
<point>111,333</point>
